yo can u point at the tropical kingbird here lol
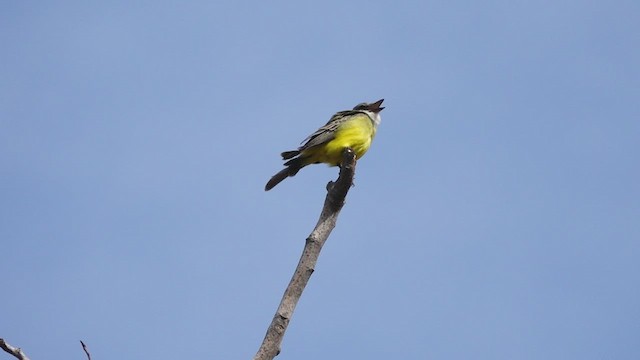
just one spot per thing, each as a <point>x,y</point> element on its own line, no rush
<point>350,128</point>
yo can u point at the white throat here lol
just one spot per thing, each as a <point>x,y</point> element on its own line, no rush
<point>374,117</point>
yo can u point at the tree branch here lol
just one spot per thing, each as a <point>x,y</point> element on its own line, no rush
<point>86,351</point>
<point>16,352</point>
<point>336,194</point>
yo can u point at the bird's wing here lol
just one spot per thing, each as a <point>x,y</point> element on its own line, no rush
<point>328,131</point>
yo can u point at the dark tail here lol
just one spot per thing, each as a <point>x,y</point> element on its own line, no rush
<point>289,154</point>
<point>293,166</point>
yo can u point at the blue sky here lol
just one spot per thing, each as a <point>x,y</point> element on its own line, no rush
<point>496,215</point>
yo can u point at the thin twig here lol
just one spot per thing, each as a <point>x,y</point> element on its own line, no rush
<point>86,351</point>
<point>17,352</point>
<point>336,193</point>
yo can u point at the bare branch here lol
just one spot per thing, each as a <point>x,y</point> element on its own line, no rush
<point>86,351</point>
<point>336,194</point>
<point>16,352</point>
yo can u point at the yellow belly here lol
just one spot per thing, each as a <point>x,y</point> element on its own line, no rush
<point>357,133</point>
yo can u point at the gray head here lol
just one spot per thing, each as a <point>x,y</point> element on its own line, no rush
<point>373,107</point>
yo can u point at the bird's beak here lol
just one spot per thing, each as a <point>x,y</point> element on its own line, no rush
<point>375,107</point>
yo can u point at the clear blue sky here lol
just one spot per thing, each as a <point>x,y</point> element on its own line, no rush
<point>497,215</point>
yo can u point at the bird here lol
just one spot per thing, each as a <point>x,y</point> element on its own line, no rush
<point>353,129</point>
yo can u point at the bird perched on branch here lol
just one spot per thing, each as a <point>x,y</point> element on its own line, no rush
<point>350,128</point>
